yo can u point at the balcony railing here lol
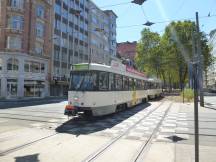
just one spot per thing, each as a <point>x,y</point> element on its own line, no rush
<point>15,9</point>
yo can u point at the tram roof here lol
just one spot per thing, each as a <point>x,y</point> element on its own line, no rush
<point>120,69</point>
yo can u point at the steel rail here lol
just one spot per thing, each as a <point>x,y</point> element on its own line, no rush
<point>146,145</point>
<point>107,145</point>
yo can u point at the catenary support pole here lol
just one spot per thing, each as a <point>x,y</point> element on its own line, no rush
<point>200,66</point>
<point>196,118</point>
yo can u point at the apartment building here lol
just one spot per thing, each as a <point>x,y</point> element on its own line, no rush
<point>25,48</point>
<point>102,25</point>
<point>81,33</point>
<point>70,41</point>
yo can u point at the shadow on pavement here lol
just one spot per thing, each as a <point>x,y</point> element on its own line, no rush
<point>81,125</point>
<point>27,158</point>
<point>210,106</point>
<point>33,102</point>
<point>175,138</point>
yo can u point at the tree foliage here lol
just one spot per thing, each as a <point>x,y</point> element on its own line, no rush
<point>168,56</point>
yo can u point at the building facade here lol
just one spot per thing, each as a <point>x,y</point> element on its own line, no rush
<point>127,50</point>
<point>25,30</point>
<point>211,75</point>
<point>102,34</point>
<point>81,33</point>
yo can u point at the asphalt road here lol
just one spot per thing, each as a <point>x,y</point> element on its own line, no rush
<point>155,131</point>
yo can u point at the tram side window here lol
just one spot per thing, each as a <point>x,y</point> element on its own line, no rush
<point>150,85</point>
<point>83,81</point>
<point>135,84</point>
<point>125,83</point>
<point>142,84</point>
<point>147,86</point>
<point>103,81</point>
<point>118,82</point>
<point>111,82</point>
<point>155,85</point>
<point>131,84</point>
<point>139,85</point>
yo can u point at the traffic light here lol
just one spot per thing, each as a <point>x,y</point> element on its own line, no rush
<point>139,2</point>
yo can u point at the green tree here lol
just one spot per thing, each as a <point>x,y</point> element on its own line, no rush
<point>168,57</point>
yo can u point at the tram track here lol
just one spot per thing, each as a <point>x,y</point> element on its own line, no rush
<point>146,145</point>
<point>22,146</point>
<point>92,157</point>
<point>40,111</point>
<point>34,116</point>
<point>16,148</point>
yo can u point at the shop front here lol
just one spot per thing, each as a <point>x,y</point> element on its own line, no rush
<point>33,88</point>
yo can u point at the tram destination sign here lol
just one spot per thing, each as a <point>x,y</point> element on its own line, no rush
<point>80,67</point>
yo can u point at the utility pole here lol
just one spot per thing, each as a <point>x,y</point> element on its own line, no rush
<point>195,64</point>
<point>200,67</point>
<point>196,119</point>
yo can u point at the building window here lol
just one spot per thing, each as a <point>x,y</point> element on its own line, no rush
<point>1,64</point>
<point>27,67</point>
<point>33,88</point>
<point>64,13</point>
<point>14,42</point>
<point>56,71</point>
<point>11,87</point>
<point>57,9</point>
<point>64,57</point>
<point>39,29</point>
<point>34,67</point>
<point>39,48</point>
<point>42,68</point>
<point>56,54</point>
<point>40,11</point>
<point>12,64</point>
<point>57,24</point>
<point>64,27</point>
<point>16,22</point>
<point>16,4</point>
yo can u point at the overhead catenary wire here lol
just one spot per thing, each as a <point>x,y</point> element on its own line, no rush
<point>166,21</point>
<point>111,5</point>
<point>143,11</point>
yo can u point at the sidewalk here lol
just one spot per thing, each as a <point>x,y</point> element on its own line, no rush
<point>183,150</point>
<point>15,103</point>
<point>34,99</point>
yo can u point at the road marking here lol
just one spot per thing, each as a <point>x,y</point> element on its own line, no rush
<point>167,130</point>
<point>182,129</point>
<point>3,121</point>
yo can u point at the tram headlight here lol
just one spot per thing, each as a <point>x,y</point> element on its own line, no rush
<point>76,99</point>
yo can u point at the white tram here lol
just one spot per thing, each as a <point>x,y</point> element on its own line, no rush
<point>97,89</point>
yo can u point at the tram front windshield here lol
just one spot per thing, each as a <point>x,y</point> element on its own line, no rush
<point>83,81</point>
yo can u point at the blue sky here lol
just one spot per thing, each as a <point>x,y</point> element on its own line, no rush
<point>157,11</point>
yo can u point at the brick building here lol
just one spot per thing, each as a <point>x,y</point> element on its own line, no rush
<point>127,50</point>
<point>25,34</point>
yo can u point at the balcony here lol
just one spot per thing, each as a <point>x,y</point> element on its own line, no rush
<point>15,9</point>
<point>14,30</point>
